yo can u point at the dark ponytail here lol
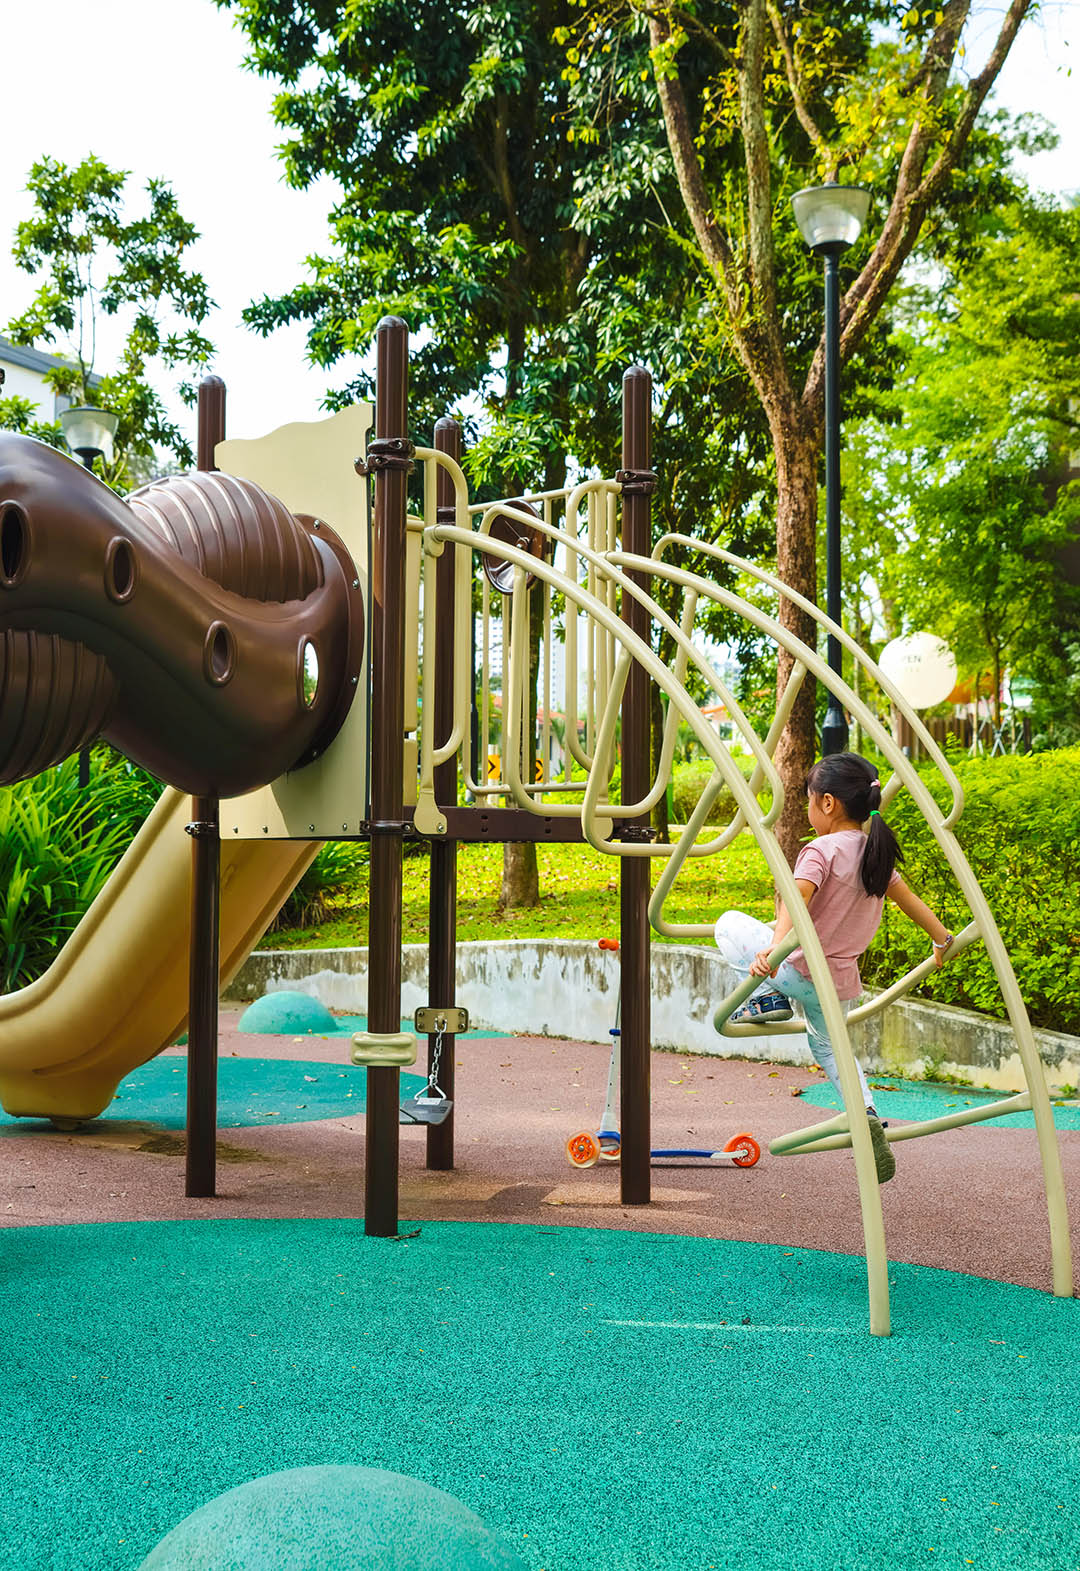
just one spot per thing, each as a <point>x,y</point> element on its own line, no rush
<point>853,781</point>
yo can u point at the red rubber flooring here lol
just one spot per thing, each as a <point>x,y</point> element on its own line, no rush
<point>970,1200</point>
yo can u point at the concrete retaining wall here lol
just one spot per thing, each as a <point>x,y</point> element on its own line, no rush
<point>564,987</point>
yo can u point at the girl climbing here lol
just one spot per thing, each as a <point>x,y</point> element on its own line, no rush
<point>844,876</point>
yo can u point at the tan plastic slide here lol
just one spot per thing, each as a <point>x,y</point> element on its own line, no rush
<point>117,993</point>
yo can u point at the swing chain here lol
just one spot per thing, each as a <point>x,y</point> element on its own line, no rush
<point>433,1072</point>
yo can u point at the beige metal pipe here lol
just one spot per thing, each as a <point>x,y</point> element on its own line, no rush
<point>1050,1157</point>
<point>637,648</point>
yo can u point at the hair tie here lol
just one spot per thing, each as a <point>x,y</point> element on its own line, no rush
<point>875,782</point>
<point>875,813</point>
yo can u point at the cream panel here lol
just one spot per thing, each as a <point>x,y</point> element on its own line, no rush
<point>310,467</point>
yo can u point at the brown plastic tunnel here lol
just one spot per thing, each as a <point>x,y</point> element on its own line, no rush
<point>200,627</point>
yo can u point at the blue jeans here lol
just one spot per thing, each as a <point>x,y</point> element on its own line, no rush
<point>739,938</point>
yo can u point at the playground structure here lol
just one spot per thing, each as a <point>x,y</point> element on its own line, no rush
<point>308,765</point>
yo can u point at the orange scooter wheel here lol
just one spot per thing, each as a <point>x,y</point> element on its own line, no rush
<point>744,1150</point>
<point>610,1148</point>
<point>583,1150</point>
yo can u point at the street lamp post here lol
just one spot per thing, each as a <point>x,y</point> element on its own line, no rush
<point>89,433</point>
<point>830,218</point>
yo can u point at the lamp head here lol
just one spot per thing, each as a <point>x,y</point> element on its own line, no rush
<point>89,431</point>
<point>830,217</point>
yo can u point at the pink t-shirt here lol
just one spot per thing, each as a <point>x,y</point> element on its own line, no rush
<point>844,915</point>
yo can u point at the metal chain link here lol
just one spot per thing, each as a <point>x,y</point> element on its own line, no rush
<point>433,1072</point>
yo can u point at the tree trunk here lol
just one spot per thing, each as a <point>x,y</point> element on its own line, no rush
<point>796,451</point>
<point>520,876</point>
<point>521,873</point>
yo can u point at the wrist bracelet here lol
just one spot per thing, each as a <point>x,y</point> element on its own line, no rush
<point>945,942</point>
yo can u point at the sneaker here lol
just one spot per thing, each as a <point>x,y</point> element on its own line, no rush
<point>763,1008</point>
<point>884,1160</point>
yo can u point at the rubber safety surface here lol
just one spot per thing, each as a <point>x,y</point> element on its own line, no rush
<point>629,1400</point>
<point>914,1100</point>
<point>251,1091</point>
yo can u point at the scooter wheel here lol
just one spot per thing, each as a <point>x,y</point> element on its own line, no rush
<point>583,1150</point>
<point>744,1150</point>
<point>610,1148</point>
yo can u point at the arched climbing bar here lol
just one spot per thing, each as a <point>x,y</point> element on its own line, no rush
<point>1050,1157</point>
<point>857,653</point>
<point>869,1193</point>
<point>611,649</point>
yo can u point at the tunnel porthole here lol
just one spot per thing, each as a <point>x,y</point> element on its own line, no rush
<point>219,654</point>
<point>121,570</point>
<point>308,673</point>
<point>14,545</point>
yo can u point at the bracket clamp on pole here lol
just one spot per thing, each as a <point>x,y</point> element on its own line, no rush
<point>636,482</point>
<point>640,833</point>
<point>387,826</point>
<point>384,1049</point>
<point>386,452</point>
<point>201,829</point>
<point>443,1017</point>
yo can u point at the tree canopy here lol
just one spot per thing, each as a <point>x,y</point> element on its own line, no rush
<point>94,260</point>
<point>967,536</point>
<point>773,95</point>
<point>466,210</point>
<point>548,191</point>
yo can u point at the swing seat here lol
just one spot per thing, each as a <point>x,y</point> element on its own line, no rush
<point>424,1109</point>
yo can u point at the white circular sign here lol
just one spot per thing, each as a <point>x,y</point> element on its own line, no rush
<point>921,665</point>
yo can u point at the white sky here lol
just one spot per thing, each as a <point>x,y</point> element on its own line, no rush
<point>156,87</point>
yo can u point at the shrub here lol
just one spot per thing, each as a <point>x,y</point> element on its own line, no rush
<point>58,846</point>
<point>123,792</point>
<point>1020,831</point>
<point>328,877</point>
<point>690,780</point>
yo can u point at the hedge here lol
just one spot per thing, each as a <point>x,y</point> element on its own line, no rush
<point>1020,831</point>
<point>690,780</point>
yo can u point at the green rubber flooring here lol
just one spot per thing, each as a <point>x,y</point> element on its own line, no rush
<point>631,1401</point>
<point>914,1100</point>
<point>251,1091</point>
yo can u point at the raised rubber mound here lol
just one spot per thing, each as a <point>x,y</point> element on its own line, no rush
<point>288,1013</point>
<point>313,1518</point>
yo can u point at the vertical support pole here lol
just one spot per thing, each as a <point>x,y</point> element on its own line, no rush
<point>442,888</point>
<point>834,731</point>
<point>389,461</point>
<point>202,1055</point>
<point>474,711</point>
<point>635,1170</point>
<point>87,455</point>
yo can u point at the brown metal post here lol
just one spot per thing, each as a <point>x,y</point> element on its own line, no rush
<point>442,887</point>
<point>389,461</point>
<point>211,419</point>
<point>635,1124</point>
<point>202,1054</point>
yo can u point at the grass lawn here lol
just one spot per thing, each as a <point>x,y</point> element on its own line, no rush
<point>579,889</point>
